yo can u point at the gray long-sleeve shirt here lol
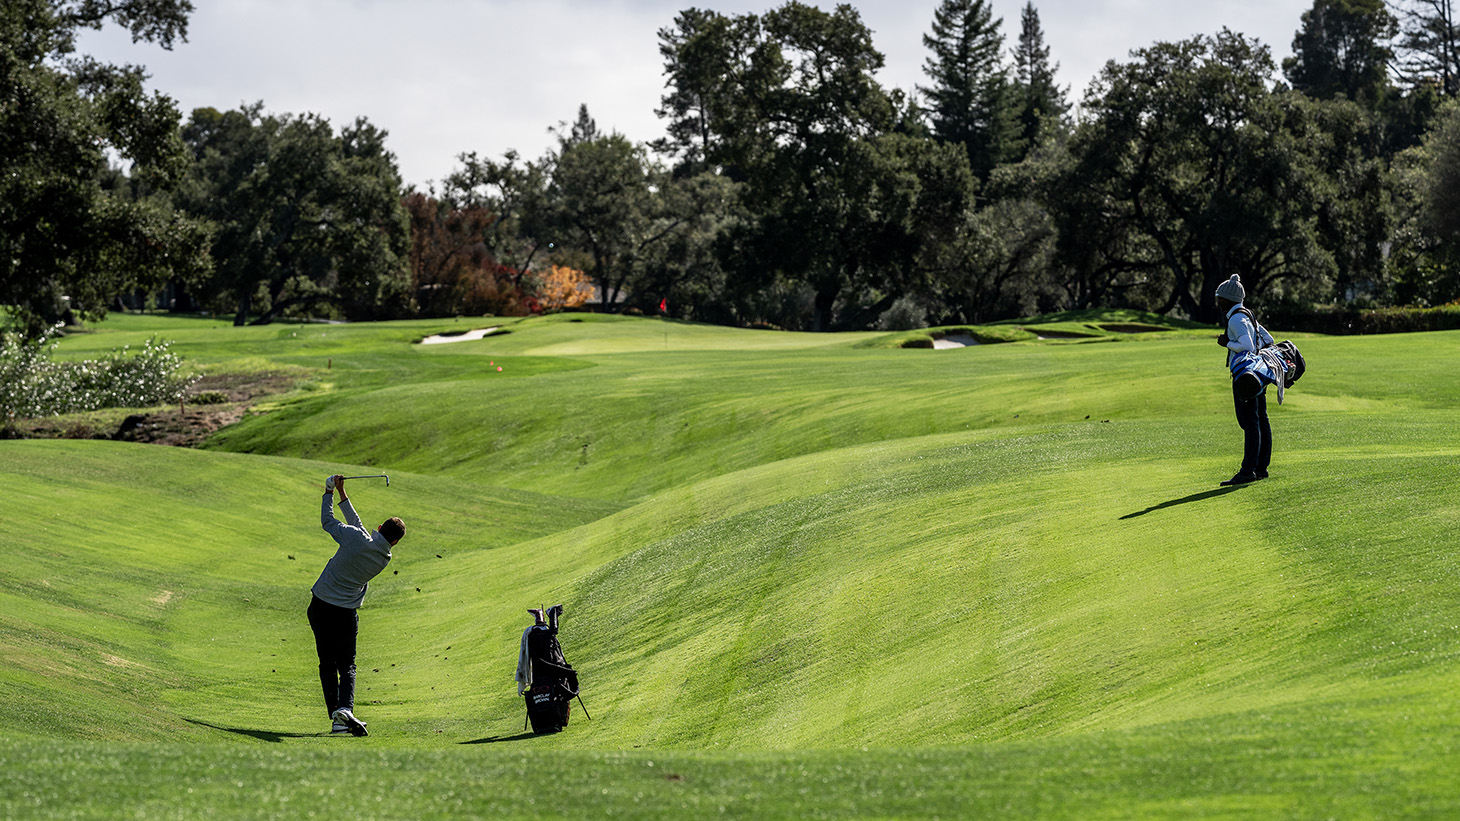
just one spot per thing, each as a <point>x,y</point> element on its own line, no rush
<point>360,558</point>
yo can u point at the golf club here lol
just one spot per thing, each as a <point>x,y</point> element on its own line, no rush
<point>371,476</point>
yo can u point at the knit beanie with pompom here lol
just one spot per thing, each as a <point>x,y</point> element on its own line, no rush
<point>1232,289</point>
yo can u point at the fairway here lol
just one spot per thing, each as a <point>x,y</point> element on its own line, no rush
<point>805,575</point>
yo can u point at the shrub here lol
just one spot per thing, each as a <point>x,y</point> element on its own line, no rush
<point>906,314</point>
<point>23,363</point>
<point>561,288</point>
<point>208,398</point>
<point>32,385</point>
<point>1363,321</point>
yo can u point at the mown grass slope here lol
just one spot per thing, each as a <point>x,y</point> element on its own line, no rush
<point>803,575</point>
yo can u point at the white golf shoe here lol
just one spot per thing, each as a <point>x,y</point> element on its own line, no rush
<point>352,725</point>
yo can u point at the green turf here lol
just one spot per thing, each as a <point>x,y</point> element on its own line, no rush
<point>806,576</point>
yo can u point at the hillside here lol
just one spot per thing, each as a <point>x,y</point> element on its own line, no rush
<point>1005,571</point>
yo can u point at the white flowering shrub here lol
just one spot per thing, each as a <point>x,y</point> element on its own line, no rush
<point>32,385</point>
<point>22,365</point>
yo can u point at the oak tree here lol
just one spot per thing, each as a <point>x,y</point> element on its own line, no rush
<point>71,239</point>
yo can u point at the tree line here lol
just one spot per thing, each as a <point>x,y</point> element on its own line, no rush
<point>789,188</point>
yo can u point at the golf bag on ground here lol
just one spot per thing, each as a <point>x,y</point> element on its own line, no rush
<point>554,682</point>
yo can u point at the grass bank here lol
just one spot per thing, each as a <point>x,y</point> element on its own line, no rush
<point>805,577</point>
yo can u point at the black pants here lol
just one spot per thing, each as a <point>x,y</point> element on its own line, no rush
<point>335,629</point>
<point>1256,432</point>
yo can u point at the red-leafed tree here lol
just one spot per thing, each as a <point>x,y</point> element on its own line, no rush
<point>452,272</point>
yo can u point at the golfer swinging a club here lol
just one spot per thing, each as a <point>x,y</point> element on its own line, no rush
<point>337,596</point>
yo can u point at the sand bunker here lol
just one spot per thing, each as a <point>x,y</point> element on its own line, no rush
<point>953,341</point>
<point>465,336</point>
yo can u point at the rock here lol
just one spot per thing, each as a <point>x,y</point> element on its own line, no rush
<point>130,424</point>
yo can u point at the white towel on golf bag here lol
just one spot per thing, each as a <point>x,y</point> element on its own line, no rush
<point>1279,367</point>
<point>524,661</point>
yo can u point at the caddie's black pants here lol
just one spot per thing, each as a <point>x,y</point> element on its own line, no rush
<point>1256,432</point>
<point>335,630</point>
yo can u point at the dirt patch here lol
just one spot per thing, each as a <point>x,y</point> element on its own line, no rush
<point>228,396</point>
<point>245,387</point>
<point>181,428</point>
<point>189,425</point>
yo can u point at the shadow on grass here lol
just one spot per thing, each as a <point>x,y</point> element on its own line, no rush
<point>497,738</point>
<point>1195,497</point>
<point>261,735</point>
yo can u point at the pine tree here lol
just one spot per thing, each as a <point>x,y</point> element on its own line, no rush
<point>971,100</point>
<point>1429,44</point>
<point>1342,49</point>
<point>1040,99</point>
<point>693,75</point>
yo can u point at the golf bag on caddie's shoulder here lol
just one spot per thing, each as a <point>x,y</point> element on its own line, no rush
<point>554,682</point>
<point>1274,363</point>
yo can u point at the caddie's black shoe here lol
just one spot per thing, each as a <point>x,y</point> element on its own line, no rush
<point>1261,474</point>
<point>1242,478</point>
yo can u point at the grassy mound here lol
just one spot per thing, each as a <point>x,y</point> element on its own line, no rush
<point>805,575</point>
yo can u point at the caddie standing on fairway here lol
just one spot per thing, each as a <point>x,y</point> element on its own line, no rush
<point>333,610</point>
<point>1249,395</point>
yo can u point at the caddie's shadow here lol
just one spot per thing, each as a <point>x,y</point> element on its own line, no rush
<point>1195,497</point>
<point>261,735</point>
<point>496,738</point>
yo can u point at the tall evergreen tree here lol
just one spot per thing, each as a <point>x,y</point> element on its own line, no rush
<point>604,202</point>
<point>1429,44</point>
<point>694,72</point>
<point>1442,195</point>
<point>1040,98</point>
<point>971,98</point>
<point>1342,49</point>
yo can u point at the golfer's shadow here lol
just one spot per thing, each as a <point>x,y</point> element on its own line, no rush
<point>498,738</point>
<point>261,735</point>
<point>1195,497</point>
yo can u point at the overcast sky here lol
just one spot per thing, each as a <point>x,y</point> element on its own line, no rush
<point>449,76</point>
